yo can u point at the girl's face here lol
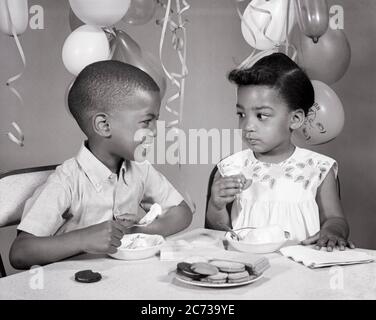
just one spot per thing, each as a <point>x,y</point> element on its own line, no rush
<point>265,118</point>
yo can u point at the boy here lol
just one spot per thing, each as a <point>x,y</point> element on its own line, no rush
<point>79,207</point>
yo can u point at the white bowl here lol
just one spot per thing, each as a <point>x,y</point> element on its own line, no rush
<point>153,244</point>
<point>254,247</point>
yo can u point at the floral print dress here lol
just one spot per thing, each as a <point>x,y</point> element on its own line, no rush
<point>282,193</point>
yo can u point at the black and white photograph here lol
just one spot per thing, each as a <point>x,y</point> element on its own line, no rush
<point>200,152</point>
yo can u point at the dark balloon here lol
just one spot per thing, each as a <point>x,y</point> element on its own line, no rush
<point>127,50</point>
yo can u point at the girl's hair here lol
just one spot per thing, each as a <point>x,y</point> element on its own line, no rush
<point>279,72</point>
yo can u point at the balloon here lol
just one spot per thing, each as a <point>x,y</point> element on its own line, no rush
<point>101,13</point>
<point>313,17</point>
<point>326,60</point>
<point>74,22</point>
<point>85,45</point>
<point>325,119</point>
<point>127,50</point>
<point>140,11</point>
<point>257,21</point>
<point>19,16</point>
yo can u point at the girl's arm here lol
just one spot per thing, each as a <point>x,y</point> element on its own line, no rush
<point>223,191</point>
<point>334,230</point>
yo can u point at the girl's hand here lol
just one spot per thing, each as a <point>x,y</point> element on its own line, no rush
<point>329,239</point>
<point>225,189</point>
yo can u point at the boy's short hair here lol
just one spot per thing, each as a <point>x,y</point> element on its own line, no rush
<point>101,85</point>
<point>281,73</point>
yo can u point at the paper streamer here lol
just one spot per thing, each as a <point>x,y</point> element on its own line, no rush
<point>19,139</point>
<point>179,43</point>
<point>253,57</point>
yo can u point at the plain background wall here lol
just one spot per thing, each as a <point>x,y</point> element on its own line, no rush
<point>214,44</point>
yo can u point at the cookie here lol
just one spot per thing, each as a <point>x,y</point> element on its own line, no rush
<point>184,269</point>
<point>193,259</point>
<point>220,277</point>
<point>228,266</point>
<point>237,277</point>
<point>87,276</point>
<point>206,269</point>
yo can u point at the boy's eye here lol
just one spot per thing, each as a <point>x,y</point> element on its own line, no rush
<point>241,114</point>
<point>146,122</point>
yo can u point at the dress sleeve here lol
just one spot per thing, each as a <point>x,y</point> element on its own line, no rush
<point>324,165</point>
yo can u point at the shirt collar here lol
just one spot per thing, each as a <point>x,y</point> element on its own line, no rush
<point>94,169</point>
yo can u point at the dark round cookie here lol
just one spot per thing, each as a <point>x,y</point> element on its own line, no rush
<point>204,268</point>
<point>184,268</point>
<point>87,276</point>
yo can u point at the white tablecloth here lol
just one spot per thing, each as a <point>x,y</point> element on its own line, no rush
<point>153,279</point>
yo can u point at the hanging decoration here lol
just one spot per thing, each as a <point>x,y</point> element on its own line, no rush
<point>175,22</point>
<point>14,20</point>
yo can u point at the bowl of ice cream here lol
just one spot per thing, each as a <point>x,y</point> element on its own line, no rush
<point>138,246</point>
<point>258,240</point>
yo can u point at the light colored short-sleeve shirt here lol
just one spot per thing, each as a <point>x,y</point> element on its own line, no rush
<point>83,192</point>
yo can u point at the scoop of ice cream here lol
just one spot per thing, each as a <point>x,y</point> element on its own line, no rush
<point>140,240</point>
<point>267,234</point>
<point>231,165</point>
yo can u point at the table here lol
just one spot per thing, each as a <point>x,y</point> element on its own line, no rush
<point>153,279</point>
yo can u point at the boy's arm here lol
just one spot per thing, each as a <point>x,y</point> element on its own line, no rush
<point>174,220</point>
<point>29,250</point>
<point>334,230</point>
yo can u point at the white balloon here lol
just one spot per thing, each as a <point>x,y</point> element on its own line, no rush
<point>101,13</point>
<point>85,45</point>
<point>19,14</point>
<point>257,21</point>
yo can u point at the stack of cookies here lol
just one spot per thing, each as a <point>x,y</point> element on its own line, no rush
<point>216,271</point>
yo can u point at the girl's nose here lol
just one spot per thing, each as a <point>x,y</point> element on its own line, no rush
<point>250,126</point>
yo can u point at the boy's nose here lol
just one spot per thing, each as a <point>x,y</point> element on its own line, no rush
<point>153,130</point>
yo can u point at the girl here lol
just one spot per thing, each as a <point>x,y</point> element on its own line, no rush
<point>274,181</point>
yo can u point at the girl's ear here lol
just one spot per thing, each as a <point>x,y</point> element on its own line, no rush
<point>101,125</point>
<point>297,119</point>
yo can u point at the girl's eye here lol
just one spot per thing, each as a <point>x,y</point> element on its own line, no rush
<point>146,122</point>
<point>262,116</point>
<point>241,114</point>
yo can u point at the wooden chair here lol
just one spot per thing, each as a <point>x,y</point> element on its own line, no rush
<point>15,188</point>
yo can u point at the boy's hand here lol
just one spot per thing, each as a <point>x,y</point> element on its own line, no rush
<point>104,237</point>
<point>225,189</point>
<point>329,239</point>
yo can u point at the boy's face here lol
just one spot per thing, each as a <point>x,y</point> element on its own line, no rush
<point>264,118</point>
<point>133,127</point>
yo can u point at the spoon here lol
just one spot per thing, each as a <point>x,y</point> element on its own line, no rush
<point>232,232</point>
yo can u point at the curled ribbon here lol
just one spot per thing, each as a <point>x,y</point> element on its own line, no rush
<point>20,139</point>
<point>179,44</point>
<point>179,40</point>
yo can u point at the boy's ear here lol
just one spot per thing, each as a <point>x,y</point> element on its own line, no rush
<point>297,119</point>
<point>101,125</point>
